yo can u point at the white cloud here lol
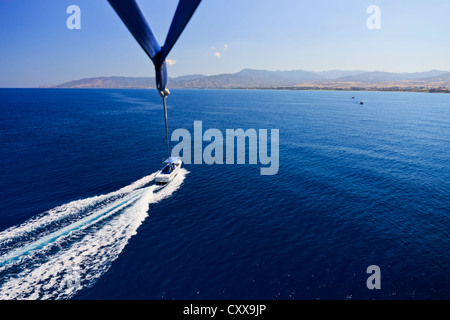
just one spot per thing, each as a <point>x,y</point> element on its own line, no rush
<point>170,62</point>
<point>218,52</point>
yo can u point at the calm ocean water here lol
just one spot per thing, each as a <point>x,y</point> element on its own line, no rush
<point>358,185</point>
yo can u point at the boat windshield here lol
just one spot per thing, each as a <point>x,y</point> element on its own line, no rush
<point>166,170</point>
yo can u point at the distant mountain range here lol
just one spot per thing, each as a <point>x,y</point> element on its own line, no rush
<point>429,81</point>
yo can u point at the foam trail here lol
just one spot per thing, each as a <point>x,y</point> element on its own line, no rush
<point>69,209</point>
<point>49,239</point>
<point>87,247</point>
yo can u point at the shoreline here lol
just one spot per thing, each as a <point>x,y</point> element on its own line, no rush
<point>287,88</point>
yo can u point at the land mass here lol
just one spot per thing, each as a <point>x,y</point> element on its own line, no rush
<point>429,81</point>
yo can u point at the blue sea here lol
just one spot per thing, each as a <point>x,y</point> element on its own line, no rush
<point>357,186</point>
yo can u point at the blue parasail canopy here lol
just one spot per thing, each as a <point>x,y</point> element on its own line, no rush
<point>132,17</point>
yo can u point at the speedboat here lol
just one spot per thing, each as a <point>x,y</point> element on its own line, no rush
<point>170,169</point>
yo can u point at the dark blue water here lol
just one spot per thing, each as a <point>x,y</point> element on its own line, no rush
<point>358,185</point>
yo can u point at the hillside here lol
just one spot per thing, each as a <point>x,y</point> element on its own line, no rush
<point>430,81</point>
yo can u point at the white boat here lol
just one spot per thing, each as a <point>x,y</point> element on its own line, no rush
<point>170,169</point>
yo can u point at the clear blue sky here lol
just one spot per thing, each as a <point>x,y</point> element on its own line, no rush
<point>224,36</point>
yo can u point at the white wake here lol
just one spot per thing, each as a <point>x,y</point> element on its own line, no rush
<point>68,248</point>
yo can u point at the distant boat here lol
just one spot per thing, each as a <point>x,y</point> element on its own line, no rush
<point>353,97</point>
<point>361,102</point>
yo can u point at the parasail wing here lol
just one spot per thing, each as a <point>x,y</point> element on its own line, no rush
<point>132,17</point>
<point>183,14</point>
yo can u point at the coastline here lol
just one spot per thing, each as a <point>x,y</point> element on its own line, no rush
<point>289,88</point>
